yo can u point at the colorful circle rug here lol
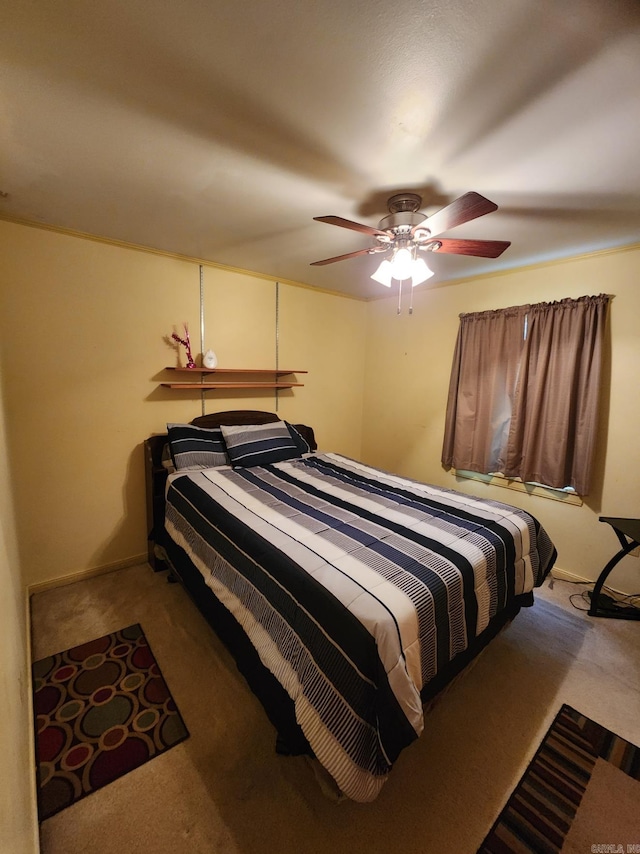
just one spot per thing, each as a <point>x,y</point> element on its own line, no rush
<point>101,709</point>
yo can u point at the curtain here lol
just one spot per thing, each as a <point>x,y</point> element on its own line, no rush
<point>524,391</point>
<point>553,429</point>
<point>482,389</point>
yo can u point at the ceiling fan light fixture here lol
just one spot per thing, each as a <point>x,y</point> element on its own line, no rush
<point>420,272</point>
<point>383,274</point>
<point>416,269</point>
<point>402,264</point>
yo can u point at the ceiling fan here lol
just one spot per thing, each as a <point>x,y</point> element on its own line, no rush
<point>405,232</point>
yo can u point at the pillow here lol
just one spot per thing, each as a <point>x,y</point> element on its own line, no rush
<point>259,444</point>
<point>196,447</point>
<point>301,443</point>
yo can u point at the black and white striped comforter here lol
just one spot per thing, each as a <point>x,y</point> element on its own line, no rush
<point>355,587</point>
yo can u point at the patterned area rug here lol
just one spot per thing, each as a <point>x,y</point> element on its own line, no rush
<point>102,709</point>
<point>580,793</point>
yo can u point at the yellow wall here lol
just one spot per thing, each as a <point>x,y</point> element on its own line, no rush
<point>407,383</point>
<point>82,327</point>
<point>318,332</point>
<point>18,820</point>
<point>328,339</point>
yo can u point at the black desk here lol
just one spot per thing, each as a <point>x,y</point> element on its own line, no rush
<point>628,532</point>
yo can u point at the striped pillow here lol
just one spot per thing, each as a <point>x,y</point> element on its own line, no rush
<point>301,443</point>
<point>259,444</point>
<point>196,447</point>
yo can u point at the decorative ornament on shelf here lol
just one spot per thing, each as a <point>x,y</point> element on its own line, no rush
<point>210,360</point>
<point>186,343</point>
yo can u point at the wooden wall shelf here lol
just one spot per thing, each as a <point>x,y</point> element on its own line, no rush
<point>210,383</point>
<point>231,385</point>
<point>273,371</point>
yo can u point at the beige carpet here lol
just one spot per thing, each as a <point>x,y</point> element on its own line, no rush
<point>605,816</point>
<point>226,790</point>
<point>583,785</point>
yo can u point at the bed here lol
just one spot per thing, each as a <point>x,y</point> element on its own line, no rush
<point>349,597</point>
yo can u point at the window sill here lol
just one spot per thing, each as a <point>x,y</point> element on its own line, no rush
<point>519,486</point>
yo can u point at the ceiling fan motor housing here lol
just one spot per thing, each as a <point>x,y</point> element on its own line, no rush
<point>403,221</point>
<point>404,215</point>
<point>404,202</point>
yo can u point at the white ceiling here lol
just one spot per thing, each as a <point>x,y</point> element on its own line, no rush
<point>219,129</point>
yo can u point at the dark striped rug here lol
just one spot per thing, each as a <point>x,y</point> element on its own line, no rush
<point>581,792</point>
<point>101,710</point>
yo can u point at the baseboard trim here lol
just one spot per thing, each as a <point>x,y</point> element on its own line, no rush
<point>82,574</point>
<point>565,575</point>
<point>32,728</point>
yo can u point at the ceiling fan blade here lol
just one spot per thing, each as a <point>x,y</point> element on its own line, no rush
<point>478,248</point>
<point>347,223</point>
<point>342,257</point>
<point>467,207</point>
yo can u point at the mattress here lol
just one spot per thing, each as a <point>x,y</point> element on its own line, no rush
<point>357,588</point>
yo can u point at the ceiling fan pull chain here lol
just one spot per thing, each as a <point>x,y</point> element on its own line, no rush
<point>399,296</point>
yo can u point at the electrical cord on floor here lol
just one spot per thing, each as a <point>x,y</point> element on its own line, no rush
<point>583,597</point>
<point>612,598</point>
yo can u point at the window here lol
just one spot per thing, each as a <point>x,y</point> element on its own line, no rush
<point>524,391</point>
<point>565,496</point>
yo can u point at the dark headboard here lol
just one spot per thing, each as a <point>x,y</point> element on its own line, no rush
<point>251,416</point>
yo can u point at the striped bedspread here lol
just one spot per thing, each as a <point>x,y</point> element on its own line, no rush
<point>355,586</point>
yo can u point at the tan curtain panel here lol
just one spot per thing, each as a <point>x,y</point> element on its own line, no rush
<point>526,405</point>
<point>553,429</point>
<point>482,389</point>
